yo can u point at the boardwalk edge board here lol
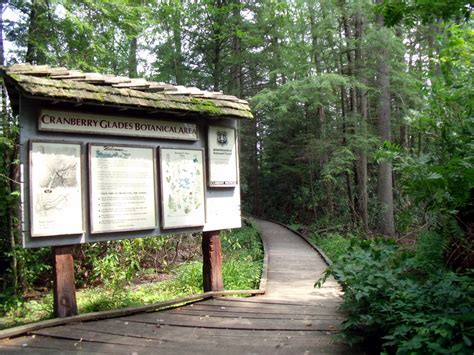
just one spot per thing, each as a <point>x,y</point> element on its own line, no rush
<point>264,275</point>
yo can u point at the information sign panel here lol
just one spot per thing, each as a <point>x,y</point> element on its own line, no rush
<point>122,188</point>
<point>222,157</point>
<point>182,188</point>
<point>55,188</point>
<point>77,122</point>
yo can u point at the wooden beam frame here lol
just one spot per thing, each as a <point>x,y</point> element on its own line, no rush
<point>212,262</point>
<point>64,288</point>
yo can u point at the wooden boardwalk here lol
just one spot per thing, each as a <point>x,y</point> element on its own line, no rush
<point>292,317</point>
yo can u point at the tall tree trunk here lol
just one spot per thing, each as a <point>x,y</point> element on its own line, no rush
<point>273,74</point>
<point>384,182</point>
<point>350,195</point>
<point>257,168</point>
<point>7,218</point>
<point>311,168</point>
<point>361,171</point>
<point>2,62</point>
<point>236,67</point>
<point>133,36</point>
<point>132,59</point>
<point>344,100</point>
<point>32,55</point>
<point>321,114</point>
<point>349,57</point>
<point>178,50</point>
<point>217,46</point>
<point>10,155</point>
<point>329,208</point>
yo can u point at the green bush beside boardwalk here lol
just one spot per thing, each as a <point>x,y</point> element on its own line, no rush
<point>401,299</point>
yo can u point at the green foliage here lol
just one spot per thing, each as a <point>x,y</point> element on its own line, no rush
<point>430,250</point>
<point>243,257</point>
<point>243,243</point>
<point>9,198</point>
<point>241,274</point>
<point>243,254</point>
<point>296,140</point>
<point>334,245</point>
<point>15,311</point>
<point>398,300</point>
<point>395,11</point>
<point>439,178</point>
<point>36,266</point>
<point>443,176</point>
<point>189,277</point>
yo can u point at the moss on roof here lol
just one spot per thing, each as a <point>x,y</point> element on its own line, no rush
<point>73,86</point>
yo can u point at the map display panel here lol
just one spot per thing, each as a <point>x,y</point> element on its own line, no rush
<point>55,189</point>
<point>182,188</point>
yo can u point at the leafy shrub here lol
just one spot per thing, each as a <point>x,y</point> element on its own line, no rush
<point>333,244</point>
<point>243,255</point>
<point>189,277</point>
<point>241,274</point>
<point>242,243</point>
<point>430,249</point>
<point>36,266</point>
<point>404,306</point>
<point>115,263</point>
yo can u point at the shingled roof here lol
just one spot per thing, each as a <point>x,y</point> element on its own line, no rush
<point>61,84</point>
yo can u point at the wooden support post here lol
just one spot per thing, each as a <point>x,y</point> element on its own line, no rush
<point>64,284</point>
<point>212,261</point>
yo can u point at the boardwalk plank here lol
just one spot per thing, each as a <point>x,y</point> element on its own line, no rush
<point>234,323</point>
<point>322,306</point>
<point>93,336</point>
<point>266,308</point>
<point>292,317</point>
<point>229,313</point>
<point>267,302</point>
<point>165,332</point>
<point>7,349</point>
<point>49,345</point>
<point>265,345</point>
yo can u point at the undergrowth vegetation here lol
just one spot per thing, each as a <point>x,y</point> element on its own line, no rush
<point>402,299</point>
<point>135,272</point>
<point>333,244</point>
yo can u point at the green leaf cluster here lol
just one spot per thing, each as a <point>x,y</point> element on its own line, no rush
<point>412,11</point>
<point>404,302</point>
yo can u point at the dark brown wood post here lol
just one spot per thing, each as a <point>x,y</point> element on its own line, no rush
<point>64,283</point>
<point>212,261</point>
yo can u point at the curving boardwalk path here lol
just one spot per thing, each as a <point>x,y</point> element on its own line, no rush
<point>292,317</point>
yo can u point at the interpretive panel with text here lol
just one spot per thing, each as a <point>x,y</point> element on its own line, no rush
<point>110,175</point>
<point>222,157</point>
<point>182,188</point>
<point>122,188</point>
<point>55,189</point>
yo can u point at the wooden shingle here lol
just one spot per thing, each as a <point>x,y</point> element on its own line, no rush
<point>61,84</point>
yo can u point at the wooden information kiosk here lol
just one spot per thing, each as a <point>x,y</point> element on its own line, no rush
<point>107,158</point>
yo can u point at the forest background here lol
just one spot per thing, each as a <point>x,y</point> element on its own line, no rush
<point>363,109</point>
